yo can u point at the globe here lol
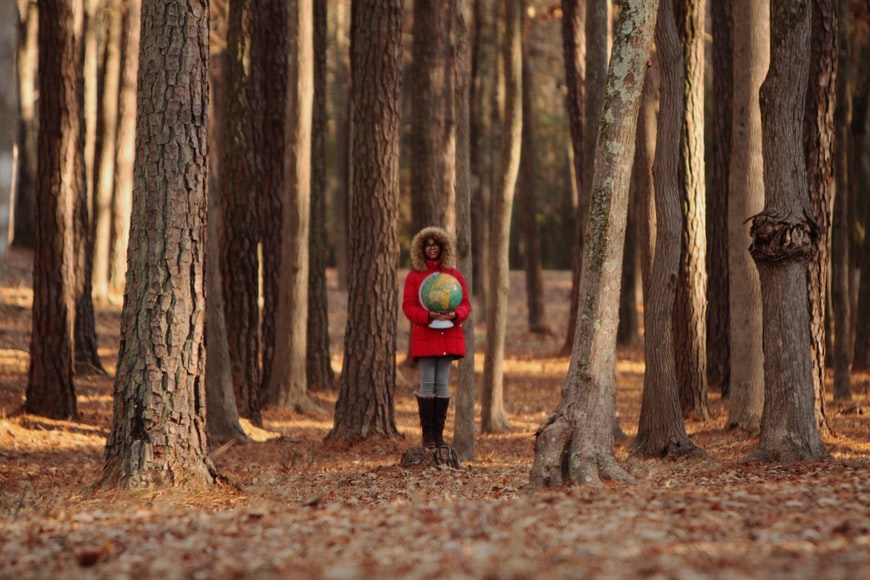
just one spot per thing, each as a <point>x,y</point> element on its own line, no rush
<point>440,292</point>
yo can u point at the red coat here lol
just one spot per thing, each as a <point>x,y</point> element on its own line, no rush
<point>427,341</point>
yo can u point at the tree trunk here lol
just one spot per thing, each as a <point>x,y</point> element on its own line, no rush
<point>239,237</point>
<point>104,164</point>
<point>858,185</point>
<point>318,363</point>
<point>642,175</point>
<point>463,430</point>
<point>537,315</point>
<point>718,306</point>
<point>575,444</point>
<point>60,182</point>
<point>574,48</point>
<point>368,379</point>
<point>222,413</point>
<point>271,48</point>
<point>341,94</point>
<point>840,262</point>
<point>597,23</point>
<point>87,359</point>
<point>23,190</point>
<point>628,331</point>
<point>123,189</point>
<point>661,431</point>
<point>690,322</point>
<point>818,141</point>
<point>431,142</point>
<point>289,384</point>
<point>784,239</point>
<point>158,435</point>
<point>431,139</point>
<point>746,198</point>
<point>493,415</point>
<point>484,87</point>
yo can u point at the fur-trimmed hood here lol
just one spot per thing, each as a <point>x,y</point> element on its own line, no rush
<point>418,257</point>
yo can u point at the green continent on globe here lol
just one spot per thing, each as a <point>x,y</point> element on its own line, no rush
<point>441,292</point>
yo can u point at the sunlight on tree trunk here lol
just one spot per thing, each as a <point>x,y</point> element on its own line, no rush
<point>690,312</point>
<point>818,142</point>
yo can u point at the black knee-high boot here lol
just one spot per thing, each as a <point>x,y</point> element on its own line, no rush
<point>426,407</point>
<point>440,417</point>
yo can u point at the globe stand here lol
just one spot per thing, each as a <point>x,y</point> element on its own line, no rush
<point>441,324</point>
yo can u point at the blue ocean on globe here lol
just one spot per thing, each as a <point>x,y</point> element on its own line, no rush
<point>440,292</point>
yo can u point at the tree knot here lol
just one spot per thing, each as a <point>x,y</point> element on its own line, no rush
<point>777,237</point>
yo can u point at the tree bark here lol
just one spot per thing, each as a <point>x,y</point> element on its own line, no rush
<point>858,182</point>
<point>483,112</point>
<point>840,246</point>
<point>463,431</point>
<point>818,134</point>
<point>158,435</point>
<point>271,49</point>
<point>60,182</point>
<point>784,239</point>
<point>23,191</point>
<point>102,177</point>
<point>318,362</point>
<point>661,431</point>
<point>341,94</point>
<point>289,379</point>
<point>239,237</point>
<point>575,444</point>
<point>222,412</point>
<point>718,305</point>
<point>537,315</point>
<point>746,198</point>
<point>690,313</point>
<point>628,331</point>
<point>104,163</point>
<point>123,187</point>
<point>368,379</point>
<point>574,48</point>
<point>431,142</point>
<point>642,173</point>
<point>493,414</point>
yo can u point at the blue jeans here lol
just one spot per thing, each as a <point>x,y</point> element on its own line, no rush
<point>434,376</point>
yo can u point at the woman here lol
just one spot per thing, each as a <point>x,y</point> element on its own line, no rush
<point>434,349</point>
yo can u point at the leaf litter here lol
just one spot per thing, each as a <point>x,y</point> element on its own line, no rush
<point>294,506</point>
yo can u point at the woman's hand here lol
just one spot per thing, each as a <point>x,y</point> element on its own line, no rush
<point>451,316</point>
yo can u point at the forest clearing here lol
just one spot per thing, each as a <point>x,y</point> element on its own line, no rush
<point>292,506</point>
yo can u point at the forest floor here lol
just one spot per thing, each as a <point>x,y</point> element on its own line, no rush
<point>296,507</point>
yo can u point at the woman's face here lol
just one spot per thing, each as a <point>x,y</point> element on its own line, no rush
<point>432,249</point>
